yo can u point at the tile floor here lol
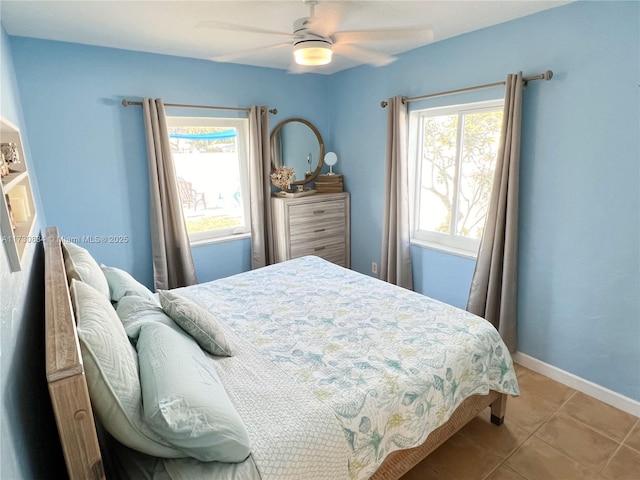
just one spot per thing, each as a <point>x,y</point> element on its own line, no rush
<point>550,432</point>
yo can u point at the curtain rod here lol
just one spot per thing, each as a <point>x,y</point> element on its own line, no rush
<point>543,76</point>
<point>126,103</point>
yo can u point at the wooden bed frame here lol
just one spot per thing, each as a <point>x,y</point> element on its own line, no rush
<point>72,406</point>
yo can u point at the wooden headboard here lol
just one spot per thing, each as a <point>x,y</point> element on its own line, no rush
<point>65,372</point>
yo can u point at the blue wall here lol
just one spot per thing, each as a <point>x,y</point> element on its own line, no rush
<point>579,262</point>
<point>29,439</point>
<point>91,150</point>
<point>579,300</point>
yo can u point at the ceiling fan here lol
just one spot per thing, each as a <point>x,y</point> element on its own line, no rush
<point>315,39</point>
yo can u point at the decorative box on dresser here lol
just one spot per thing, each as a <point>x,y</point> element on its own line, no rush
<point>312,225</point>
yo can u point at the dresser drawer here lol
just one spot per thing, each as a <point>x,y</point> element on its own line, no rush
<point>313,213</point>
<point>332,250</point>
<point>321,229</point>
<point>335,255</point>
<point>302,212</point>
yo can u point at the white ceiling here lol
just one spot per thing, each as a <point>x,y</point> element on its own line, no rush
<point>174,27</point>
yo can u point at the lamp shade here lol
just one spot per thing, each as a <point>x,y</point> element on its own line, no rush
<point>312,53</point>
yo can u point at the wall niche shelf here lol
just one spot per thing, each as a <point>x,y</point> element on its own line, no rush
<point>17,209</point>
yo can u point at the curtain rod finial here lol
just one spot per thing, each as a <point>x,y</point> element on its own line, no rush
<point>548,75</point>
<point>384,103</point>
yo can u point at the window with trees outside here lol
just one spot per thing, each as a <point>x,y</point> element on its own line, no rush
<point>452,156</point>
<point>211,163</point>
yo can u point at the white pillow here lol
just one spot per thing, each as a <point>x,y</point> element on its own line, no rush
<point>121,283</point>
<point>80,265</point>
<point>111,368</point>
<point>197,322</point>
<point>184,400</point>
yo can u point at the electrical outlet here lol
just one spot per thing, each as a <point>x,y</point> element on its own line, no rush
<point>374,267</point>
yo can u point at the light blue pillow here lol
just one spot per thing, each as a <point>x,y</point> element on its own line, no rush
<point>111,368</point>
<point>184,400</point>
<point>121,283</point>
<point>79,264</point>
<point>135,311</point>
<point>197,322</point>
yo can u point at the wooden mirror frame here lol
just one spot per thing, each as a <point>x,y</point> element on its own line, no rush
<point>276,131</point>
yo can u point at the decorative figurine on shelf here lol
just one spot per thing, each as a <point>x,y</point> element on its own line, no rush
<point>283,177</point>
<point>10,152</point>
<point>4,166</point>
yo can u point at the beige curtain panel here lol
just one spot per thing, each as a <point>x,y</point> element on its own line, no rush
<point>172,261</point>
<point>395,262</point>
<point>494,286</point>
<point>260,187</point>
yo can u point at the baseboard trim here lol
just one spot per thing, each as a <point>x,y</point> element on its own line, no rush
<point>605,395</point>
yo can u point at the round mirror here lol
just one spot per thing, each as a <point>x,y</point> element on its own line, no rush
<point>296,143</point>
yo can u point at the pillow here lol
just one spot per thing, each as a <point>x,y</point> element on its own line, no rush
<point>135,311</point>
<point>184,400</point>
<point>111,368</point>
<point>80,265</point>
<point>197,322</point>
<point>121,283</point>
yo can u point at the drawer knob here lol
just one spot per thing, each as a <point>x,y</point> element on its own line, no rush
<point>319,230</point>
<point>318,212</point>
<point>317,249</point>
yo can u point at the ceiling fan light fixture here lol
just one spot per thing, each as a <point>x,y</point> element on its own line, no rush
<point>312,53</point>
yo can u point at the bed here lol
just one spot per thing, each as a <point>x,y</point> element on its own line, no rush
<point>373,390</point>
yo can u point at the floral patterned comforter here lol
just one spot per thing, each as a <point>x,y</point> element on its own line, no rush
<point>392,364</point>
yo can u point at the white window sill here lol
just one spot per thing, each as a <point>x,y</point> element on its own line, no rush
<point>226,238</point>
<point>445,249</point>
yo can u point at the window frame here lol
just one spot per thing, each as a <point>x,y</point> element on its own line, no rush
<point>447,242</point>
<point>242,142</point>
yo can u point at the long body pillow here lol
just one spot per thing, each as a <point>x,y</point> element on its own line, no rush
<point>184,400</point>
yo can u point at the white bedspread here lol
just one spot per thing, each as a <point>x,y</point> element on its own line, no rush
<point>293,436</point>
<point>391,365</point>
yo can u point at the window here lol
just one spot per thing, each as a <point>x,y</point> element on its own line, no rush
<point>211,162</point>
<point>452,156</point>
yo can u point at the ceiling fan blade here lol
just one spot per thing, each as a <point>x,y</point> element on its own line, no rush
<point>363,55</point>
<point>241,28</point>
<point>321,26</point>
<point>326,19</point>
<point>236,55</point>
<point>422,34</point>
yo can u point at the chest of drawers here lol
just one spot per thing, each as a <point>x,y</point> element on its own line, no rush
<point>313,225</point>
